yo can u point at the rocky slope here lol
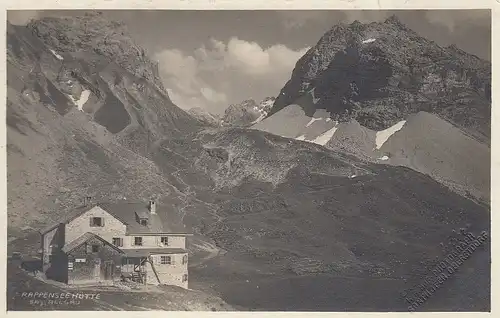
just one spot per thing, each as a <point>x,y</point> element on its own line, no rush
<point>247,112</point>
<point>278,208</point>
<point>77,123</point>
<point>378,73</point>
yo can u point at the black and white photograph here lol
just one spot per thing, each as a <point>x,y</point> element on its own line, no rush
<point>248,160</point>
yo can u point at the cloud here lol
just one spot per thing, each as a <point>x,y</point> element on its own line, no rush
<point>252,59</point>
<point>185,86</point>
<point>218,73</point>
<point>213,96</point>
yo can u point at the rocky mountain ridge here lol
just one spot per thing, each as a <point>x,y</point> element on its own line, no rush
<point>378,73</point>
<point>94,33</point>
<point>247,112</point>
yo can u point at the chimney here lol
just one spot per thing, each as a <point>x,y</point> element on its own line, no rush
<point>86,200</point>
<point>152,207</point>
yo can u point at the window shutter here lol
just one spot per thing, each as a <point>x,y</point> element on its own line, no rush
<point>90,221</point>
<point>172,259</point>
<point>102,221</point>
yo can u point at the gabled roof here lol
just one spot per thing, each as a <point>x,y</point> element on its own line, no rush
<point>165,221</point>
<point>66,218</point>
<point>85,238</point>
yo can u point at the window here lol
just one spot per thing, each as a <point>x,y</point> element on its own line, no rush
<point>96,222</point>
<point>138,241</point>
<point>117,241</point>
<point>164,240</point>
<point>95,248</point>
<point>143,222</point>
<point>184,260</point>
<point>184,278</point>
<point>164,260</point>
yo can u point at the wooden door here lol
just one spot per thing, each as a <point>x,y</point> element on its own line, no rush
<point>97,269</point>
<point>108,270</point>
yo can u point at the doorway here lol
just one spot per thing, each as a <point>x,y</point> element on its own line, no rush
<point>108,270</point>
<point>97,269</point>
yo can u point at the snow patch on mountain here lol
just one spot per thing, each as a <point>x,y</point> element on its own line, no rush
<point>325,137</point>
<point>59,57</point>
<point>260,118</point>
<point>368,41</point>
<point>314,99</point>
<point>313,120</point>
<point>84,96</point>
<point>383,158</point>
<point>383,135</point>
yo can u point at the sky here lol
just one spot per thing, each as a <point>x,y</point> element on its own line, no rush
<point>211,59</point>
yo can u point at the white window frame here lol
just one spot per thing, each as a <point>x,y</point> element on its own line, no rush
<point>120,240</point>
<point>92,218</point>
<point>166,257</point>
<point>133,241</point>
<point>167,240</point>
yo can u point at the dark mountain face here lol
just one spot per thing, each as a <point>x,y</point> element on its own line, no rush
<point>81,123</point>
<point>378,73</point>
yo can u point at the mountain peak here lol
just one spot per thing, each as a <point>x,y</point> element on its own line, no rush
<point>92,32</point>
<point>393,19</point>
<point>356,23</point>
<point>362,72</point>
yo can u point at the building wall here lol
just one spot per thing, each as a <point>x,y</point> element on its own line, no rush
<point>169,274</point>
<point>154,241</point>
<point>112,226</point>
<point>87,271</point>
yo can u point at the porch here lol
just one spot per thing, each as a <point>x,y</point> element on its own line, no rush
<point>137,266</point>
<point>134,268</point>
